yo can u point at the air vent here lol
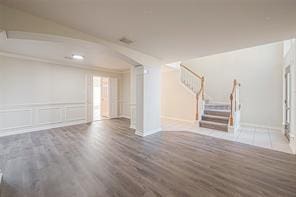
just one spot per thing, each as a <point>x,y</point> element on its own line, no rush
<point>125,40</point>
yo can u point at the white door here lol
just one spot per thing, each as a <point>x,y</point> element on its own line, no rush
<point>113,98</point>
<point>105,97</point>
<point>96,98</point>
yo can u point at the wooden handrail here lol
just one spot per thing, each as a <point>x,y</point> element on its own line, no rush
<point>200,77</point>
<point>233,101</point>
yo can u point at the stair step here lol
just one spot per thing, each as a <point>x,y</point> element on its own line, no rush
<point>219,106</point>
<point>216,112</point>
<point>213,125</point>
<point>219,119</point>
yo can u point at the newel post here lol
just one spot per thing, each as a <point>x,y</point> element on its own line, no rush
<point>197,111</point>
<point>231,114</point>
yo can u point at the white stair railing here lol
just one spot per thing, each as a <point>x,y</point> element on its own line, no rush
<point>195,83</point>
<point>190,80</point>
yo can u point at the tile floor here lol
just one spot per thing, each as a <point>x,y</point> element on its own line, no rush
<point>266,138</point>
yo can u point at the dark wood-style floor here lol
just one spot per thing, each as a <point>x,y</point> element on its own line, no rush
<point>108,159</point>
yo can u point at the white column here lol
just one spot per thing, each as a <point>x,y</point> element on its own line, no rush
<point>293,97</point>
<point>133,98</point>
<point>89,97</point>
<point>147,100</point>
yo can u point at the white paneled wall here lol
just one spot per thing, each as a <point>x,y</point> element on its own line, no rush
<point>36,95</point>
<point>31,117</point>
<point>16,118</point>
<point>124,92</point>
<point>290,60</point>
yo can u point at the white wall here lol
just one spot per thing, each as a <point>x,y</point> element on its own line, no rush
<point>290,60</point>
<point>176,101</point>
<point>124,95</point>
<point>36,95</point>
<point>258,69</point>
<point>148,79</point>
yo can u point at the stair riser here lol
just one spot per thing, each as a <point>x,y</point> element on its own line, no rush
<point>217,113</point>
<point>215,127</point>
<point>213,119</point>
<point>217,107</point>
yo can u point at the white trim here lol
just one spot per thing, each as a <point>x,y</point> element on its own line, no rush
<point>51,126</point>
<point>3,107</point>
<point>35,123</point>
<point>3,35</point>
<point>18,127</point>
<point>132,126</point>
<point>145,133</point>
<point>48,122</point>
<point>177,119</point>
<point>245,124</point>
<point>124,116</point>
<point>73,107</point>
<point>293,144</point>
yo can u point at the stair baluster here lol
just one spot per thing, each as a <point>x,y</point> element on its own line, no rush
<point>191,81</point>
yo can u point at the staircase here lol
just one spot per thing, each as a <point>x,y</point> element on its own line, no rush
<point>215,116</point>
<point>209,114</point>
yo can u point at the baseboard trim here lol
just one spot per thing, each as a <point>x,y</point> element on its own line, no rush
<point>146,133</point>
<point>293,145</point>
<point>177,119</point>
<point>125,116</point>
<point>245,124</point>
<point>132,126</point>
<point>34,129</point>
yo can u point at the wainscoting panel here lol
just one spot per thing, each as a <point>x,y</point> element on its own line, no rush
<point>133,116</point>
<point>15,118</point>
<point>51,115</point>
<point>23,118</point>
<point>124,109</point>
<point>74,113</point>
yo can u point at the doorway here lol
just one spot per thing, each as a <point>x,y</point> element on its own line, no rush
<point>105,100</point>
<point>100,98</point>
<point>287,101</point>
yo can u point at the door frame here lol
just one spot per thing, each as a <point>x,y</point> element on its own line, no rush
<point>89,97</point>
<point>104,81</point>
<point>287,101</point>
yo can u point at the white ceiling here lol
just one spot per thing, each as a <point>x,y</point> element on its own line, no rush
<point>95,56</point>
<point>174,30</point>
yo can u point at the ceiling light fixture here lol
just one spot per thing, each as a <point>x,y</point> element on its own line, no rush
<point>77,57</point>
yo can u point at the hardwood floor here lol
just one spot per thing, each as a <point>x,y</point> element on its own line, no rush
<point>108,159</point>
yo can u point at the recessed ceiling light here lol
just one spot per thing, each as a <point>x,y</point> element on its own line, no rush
<point>267,18</point>
<point>77,57</point>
